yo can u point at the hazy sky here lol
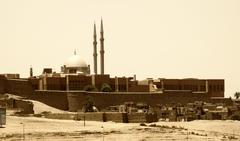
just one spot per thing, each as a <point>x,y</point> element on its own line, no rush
<point>149,38</point>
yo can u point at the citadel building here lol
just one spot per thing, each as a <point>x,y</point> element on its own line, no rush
<point>70,88</point>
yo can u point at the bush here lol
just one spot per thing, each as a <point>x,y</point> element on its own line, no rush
<point>88,105</point>
<point>143,124</point>
<point>235,117</point>
<point>90,88</point>
<point>37,115</point>
<point>152,125</point>
<point>106,88</point>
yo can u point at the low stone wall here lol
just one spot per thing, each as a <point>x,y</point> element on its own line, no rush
<point>116,117</point>
<point>90,116</point>
<point>151,117</point>
<point>142,118</point>
<point>61,116</point>
<point>25,107</point>
<point>136,118</point>
<point>109,116</point>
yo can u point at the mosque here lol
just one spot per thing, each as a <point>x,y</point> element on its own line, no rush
<point>76,82</point>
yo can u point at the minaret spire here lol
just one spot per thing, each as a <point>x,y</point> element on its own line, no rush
<point>95,49</point>
<point>102,48</point>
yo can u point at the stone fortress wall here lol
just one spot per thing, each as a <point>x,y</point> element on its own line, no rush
<point>102,100</point>
<point>24,88</point>
<point>74,100</point>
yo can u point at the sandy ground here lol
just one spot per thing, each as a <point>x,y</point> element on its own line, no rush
<point>42,129</point>
<point>33,128</point>
<point>39,107</point>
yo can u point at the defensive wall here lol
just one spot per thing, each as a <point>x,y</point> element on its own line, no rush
<point>19,87</point>
<point>77,99</point>
<point>24,88</point>
<point>57,99</point>
<point>74,100</point>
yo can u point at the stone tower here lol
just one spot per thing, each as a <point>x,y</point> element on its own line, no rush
<point>102,48</point>
<point>95,49</point>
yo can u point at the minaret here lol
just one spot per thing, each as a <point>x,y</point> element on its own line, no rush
<point>102,48</point>
<point>95,49</point>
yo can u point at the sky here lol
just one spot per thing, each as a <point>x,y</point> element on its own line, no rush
<point>152,39</point>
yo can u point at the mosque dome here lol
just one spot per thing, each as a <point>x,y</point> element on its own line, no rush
<point>75,61</point>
